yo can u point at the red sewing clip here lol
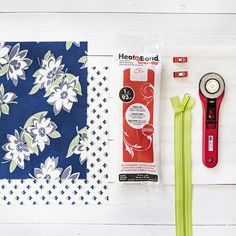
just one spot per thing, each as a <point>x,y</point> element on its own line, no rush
<point>180,74</point>
<point>180,59</point>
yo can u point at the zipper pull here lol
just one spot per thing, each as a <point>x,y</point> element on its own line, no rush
<point>190,104</point>
<point>180,106</point>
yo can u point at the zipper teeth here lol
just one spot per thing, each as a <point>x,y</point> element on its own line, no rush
<point>188,173</point>
<point>179,203</point>
<point>183,169</point>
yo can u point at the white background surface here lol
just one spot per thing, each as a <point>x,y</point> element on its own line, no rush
<point>140,210</point>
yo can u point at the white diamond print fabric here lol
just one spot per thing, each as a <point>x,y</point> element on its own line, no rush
<point>93,190</point>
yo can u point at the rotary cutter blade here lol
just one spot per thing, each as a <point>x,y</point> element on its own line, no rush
<point>211,92</point>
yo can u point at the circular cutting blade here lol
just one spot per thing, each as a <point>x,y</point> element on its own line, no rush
<point>212,85</point>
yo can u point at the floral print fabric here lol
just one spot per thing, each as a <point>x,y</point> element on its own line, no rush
<point>43,110</point>
<point>40,190</point>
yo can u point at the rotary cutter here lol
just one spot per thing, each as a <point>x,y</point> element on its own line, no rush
<point>211,92</point>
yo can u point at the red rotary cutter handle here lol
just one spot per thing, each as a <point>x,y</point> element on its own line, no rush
<point>211,92</point>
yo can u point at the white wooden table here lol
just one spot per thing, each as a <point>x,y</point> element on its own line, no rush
<point>137,209</point>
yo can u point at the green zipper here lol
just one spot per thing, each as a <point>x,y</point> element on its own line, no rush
<point>183,165</point>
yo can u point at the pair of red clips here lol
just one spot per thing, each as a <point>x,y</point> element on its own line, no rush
<point>180,74</point>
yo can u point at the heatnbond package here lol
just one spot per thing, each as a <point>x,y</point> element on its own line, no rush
<point>139,98</point>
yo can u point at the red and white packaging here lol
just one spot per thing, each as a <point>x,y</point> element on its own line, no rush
<point>139,98</point>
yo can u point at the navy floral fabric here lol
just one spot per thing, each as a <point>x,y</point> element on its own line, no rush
<point>43,110</point>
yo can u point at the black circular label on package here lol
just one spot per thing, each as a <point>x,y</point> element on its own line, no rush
<point>126,94</point>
